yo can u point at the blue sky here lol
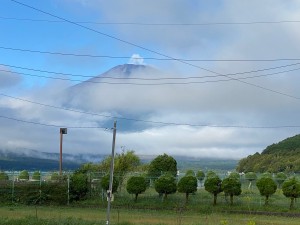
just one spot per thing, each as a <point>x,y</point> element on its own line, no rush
<point>218,104</point>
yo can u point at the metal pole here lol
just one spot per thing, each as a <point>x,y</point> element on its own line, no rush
<point>109,191</point>
<point>60,152</point>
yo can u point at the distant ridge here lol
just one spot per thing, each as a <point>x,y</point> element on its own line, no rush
<point>283,156</point>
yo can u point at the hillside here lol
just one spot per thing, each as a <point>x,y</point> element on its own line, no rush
<point>281,157</point>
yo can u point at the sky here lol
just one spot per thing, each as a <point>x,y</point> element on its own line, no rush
<point>239,62</point>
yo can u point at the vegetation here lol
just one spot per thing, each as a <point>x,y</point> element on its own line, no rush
<point>166,184</point>
<point>162,164</point>
<point>187,185</point>
<point>213,185</point>
<point>78,186</point>
<point>24,175</point>
<point>232,187</point>
<point>36,176</point>
<point>3,176</point>
<point>266,187</point>
<point>136,185</point>
<point>291,189</point>
<point>200,176</point>
<point>105,183</point>
<point>250,176</point>
<point>281,157</point>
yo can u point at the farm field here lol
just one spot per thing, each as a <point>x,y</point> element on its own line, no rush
<point>85,216</point>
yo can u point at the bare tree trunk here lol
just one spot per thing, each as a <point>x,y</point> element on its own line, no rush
<point>292,202</point>
<point>215,199</point>
<point>231,199</point>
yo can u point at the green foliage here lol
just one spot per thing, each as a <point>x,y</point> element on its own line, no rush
<point>162,164</point>
<point>280,178</point>
<point>232,187</point>
<point>266,187</point>
<point>281,157</point>
<point>3,176</point>
<point>213,185</point>
<point>211,173</point>
<point>136,185</point>
<point>251,176</point>
<point>200,175</point>
<point>24,175</point>
<point>105,183</point>
<point>234,175</point>
<point>187,185</point>
<point>78,186</point>
<point>55,177</point>
<point>190,173</point>
<point>166,184</point>
<point>36,176</point>
<point>291,189</point>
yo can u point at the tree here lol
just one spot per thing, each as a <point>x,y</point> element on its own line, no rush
<point>234,175</point>
<point>166,184</point>
<point>78,186</point>
<point>266,187</point>
<point>232,187</point>
<point>105,183</point>
<point>162,164</point>
<point>200,176</point>
<point>190,173</point>
<point>213,185</point>
<point>291,189</point>
<point>211,173</point>
<point>24,175</point>
<point>280,178</point>
<point>136,185</point>
<point>36,176</point>
<point>3,176</point>
<point>187,185</point>
<point>250,176</point>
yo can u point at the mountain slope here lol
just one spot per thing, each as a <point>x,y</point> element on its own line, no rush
<point>281,157</point>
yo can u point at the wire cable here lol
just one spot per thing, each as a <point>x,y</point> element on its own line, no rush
<point>150,50</point>
<point>147,58</point>
<point>148,79</point>
<point>139,120</point>
<point>50,125</point>
<point>155,24</point>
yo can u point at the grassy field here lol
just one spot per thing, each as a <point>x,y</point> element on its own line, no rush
<point>86,216</point>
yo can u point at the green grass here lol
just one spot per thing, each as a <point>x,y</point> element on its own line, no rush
<point>86,216</point>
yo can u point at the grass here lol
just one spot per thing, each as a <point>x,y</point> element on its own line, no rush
<point>88,216</point>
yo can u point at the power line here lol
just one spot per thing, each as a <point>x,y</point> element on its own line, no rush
<point>147,58</point>
<point>149,79</point>
<point>137,120</point>
<point>49,125</point>
<point>154,24</point>
<point>159,84</point>
<point>149,50</point>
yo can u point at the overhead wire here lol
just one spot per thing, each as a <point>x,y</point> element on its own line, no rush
<point>155,24</point>
<point>152,51</point>
<point>151,79</point>
<point>146,58</point>
<point>133,119</point>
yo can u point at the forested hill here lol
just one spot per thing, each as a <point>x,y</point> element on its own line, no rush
<point>281,157</point>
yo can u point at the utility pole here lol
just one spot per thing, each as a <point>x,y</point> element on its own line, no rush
<point>109,191</point>
<point>62,131</point>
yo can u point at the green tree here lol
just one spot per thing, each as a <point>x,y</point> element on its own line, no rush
<point>200,176</point>
<point>55,176</point>
<point>250,176</point>
<point>187,185</point>
<point>136,185</point>
<point>190,173</point>
<point>280,178</point>
<point>213,185</point>
<point>234,175</point>
<point>36,175</point>
<point>232,187</point>
<point>291,189</point>
<point>78,186</point>
<point>165,184</point>
<point>162,164</point>
<point>24,175</point>
<point>105,183</point>
<point>211,173</point>
<point>3,176</point>
<point>266,187</point>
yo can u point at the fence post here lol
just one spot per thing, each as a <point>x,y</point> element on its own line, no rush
<point>13,187</point>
